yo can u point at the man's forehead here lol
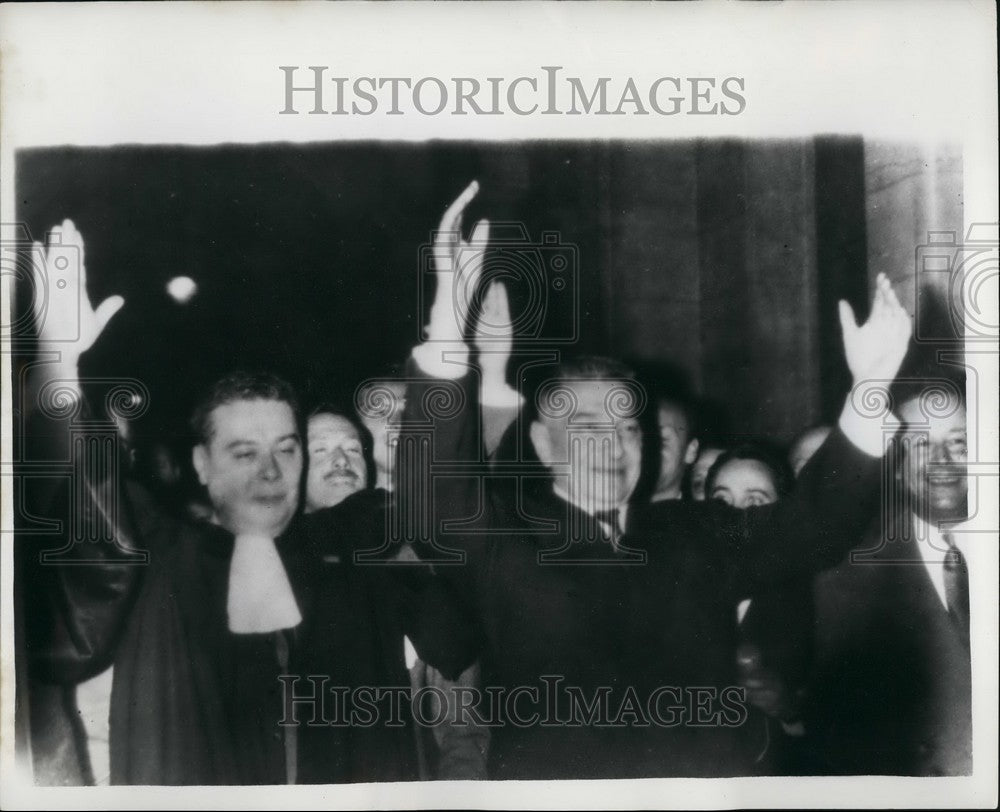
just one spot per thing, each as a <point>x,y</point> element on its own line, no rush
<point>602,399</point>
<point>746,467</point>
<point>672,415</point>
<point>255,418</point>
<point>332,425</point>
<point>947,415</point>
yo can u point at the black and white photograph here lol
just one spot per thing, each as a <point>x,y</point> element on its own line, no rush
<point>389,424</point>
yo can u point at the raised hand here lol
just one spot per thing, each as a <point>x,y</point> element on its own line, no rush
<point>875,349</point>
<point>458,266</point>
<point>59,269</point>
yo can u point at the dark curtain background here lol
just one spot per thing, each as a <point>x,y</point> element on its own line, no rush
<point>720,259</point>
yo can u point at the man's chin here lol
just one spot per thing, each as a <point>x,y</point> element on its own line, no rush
<point>265,519</point>
<point>337,494</point>
<point>948,505</point>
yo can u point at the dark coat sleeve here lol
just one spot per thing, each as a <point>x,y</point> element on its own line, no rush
<point>442,495</point>
<point>836,495</point>
<point>79,590</point>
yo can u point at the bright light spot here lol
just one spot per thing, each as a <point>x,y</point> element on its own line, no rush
<point>182,288</point>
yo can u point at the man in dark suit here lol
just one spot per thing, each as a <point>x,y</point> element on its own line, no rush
<point>607,631</point>
<point>891,688</point>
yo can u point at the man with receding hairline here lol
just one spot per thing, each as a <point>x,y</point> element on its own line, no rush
<point>569,583</point>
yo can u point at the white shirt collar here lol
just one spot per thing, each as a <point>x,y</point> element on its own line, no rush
<point>932,546</point>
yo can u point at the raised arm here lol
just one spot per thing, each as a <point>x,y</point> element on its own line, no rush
<point>839,490</point>
<point>76,598</point>
<point>441,419</point>
<point>440,465</point>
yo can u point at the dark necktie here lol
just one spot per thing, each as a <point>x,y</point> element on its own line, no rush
<point>956,585</point>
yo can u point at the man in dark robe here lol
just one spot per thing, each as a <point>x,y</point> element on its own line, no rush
<point>199,620</point>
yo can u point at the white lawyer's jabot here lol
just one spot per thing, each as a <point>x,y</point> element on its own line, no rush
<point>260,597</point>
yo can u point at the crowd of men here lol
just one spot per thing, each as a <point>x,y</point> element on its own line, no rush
<point>455,577</point>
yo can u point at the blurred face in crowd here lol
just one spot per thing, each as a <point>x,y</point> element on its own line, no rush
<point>381,411</point>
<point>337,465</point>
<point>251,465</point>
<point>594,454</point>
<point>677,450</point>
<point>744,484</point>
<point>164,466</point>
<point>805,446</point>
<point>935,457</point>
<point>699,471</point>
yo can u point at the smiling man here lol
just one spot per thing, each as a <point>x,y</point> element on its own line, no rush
<point>197,620</point>
<point>892,689</point>
<point>249,454</point>
<point>546,573</point>
<point>936,453</point>
<point>594,452</point>
<point>337,464</point>
<point>198,636</point>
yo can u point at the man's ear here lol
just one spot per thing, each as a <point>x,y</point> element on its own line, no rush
<point>199,458</point>
<point>691,454</point>
<point>540,440</point>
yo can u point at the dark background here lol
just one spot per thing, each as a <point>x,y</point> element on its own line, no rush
<point>718,262</point>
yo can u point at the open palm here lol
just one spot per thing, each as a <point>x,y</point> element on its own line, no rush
<point>458,266</point>
<point>875,349</point>
<point>60,270</point>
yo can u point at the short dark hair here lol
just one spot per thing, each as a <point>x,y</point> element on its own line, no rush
<point>577,368</point>
<point>781,472</point>
<point>667,384</point>
<point>329,407</point>
<point>237,386</point>
<point>683,404</point>
<point>592,368</point>
<point>929,395</point>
